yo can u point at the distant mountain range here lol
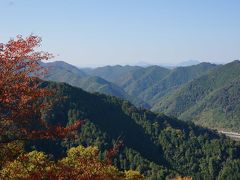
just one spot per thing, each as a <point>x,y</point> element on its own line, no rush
<point>189,63</point>
<point>204,93</point>
<point>60,71</point>
<point>151,83</point>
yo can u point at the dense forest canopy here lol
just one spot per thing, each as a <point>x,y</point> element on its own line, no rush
<point>156,145</point>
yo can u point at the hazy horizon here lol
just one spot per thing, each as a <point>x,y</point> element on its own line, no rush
<point>144,64</point>
<point>97,33</point>
<point>140,63</point>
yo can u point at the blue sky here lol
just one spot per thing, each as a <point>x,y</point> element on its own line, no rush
<point>100,32</point>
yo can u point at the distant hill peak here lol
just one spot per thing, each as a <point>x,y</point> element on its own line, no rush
<point>235,62</point>
<point>189,63</point>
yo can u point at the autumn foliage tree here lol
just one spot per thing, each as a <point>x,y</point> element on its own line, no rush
<point>20,90</point>
<point>80,163</point>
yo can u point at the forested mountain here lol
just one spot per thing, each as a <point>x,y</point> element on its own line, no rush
<point>212,100</point>
<point>205,93</point>
<point>151,83</point>
<point>63,72</point>
<point>142,86</point>
<point>154,144</point>
<point>97,84</point>
<point>112,73</point>
<point>135,82</point>
<point>173,80</point>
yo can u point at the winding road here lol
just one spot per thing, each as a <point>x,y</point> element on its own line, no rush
<point>230,134</point>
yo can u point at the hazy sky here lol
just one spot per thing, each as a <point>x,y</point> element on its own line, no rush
<point>100,32</point>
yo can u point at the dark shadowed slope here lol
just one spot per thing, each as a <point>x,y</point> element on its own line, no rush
<point>154,144</point>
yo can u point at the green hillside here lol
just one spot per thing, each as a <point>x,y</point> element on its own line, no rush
<point>97,84</point>
<point>211,100</point>
<point>112,73</point>
<point>154,144</point>
<point>150,84</point>
<point>143,86</point>
<point>62,72</point>
<point>135,82</point>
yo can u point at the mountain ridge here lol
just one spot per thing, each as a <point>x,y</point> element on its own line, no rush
<point>63,72</point>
